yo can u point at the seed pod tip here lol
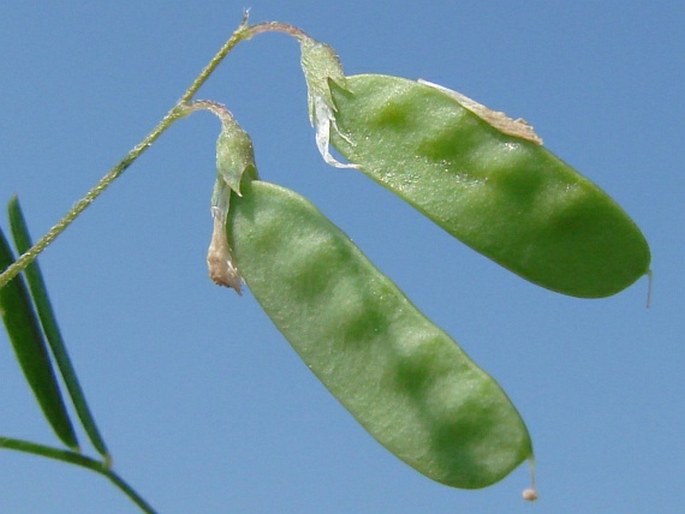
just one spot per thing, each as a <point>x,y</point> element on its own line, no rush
<point>529,494</point>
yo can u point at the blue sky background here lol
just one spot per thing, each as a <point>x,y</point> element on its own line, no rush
<point>204,405</point>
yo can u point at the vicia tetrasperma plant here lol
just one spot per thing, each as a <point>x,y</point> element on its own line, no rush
<point>483,177</point>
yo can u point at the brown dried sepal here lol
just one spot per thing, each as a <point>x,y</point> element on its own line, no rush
<point>222,270</point>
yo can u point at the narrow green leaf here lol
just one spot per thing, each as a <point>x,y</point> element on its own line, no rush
<point>30,348</point>
<point>34,277</point>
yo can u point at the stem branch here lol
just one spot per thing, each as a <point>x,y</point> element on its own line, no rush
<point>176,112</point>
<point>78,460</point>
<point>242,33</point>
<point>276,26</point>
<point>182,108</point>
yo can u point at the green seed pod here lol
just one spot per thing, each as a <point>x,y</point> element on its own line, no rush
<point>401,377</point>
<point>488,181</point>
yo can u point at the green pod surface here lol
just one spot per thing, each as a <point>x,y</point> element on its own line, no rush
<point>404,379</point>
<point>507,197</point>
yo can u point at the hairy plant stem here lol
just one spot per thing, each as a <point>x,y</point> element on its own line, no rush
<point>277,26</point>
<point>183,107</point>
<point>179,110</point>
<point>77,459</point>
